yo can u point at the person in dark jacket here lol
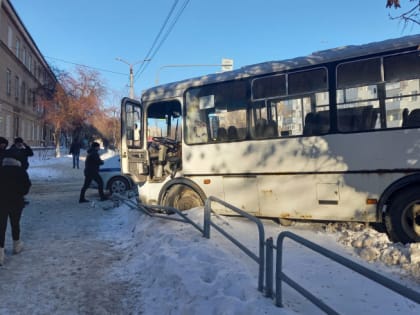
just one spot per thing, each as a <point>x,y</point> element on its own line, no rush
<point>92,163</point>
<point>75,152</point>
<point>14,184</point>
<point>3,146</point>
<point>21,151</point>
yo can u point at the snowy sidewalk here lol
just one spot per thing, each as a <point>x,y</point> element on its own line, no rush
<point>67,266</point>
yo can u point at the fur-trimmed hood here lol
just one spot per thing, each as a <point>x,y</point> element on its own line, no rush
<point>9,161</point>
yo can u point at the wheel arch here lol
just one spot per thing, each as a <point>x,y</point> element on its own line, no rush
<point>180,181</point>
<point>394,189</point>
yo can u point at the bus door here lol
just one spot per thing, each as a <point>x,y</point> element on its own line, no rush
<point>134,161</point>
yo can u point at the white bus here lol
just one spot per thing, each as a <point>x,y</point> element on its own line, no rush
<point>332,136</point>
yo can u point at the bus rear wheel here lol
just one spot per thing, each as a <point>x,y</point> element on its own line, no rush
<point>182,198</point>
<point>402,219</point>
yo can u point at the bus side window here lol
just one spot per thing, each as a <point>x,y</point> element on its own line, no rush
<point>357,118</point>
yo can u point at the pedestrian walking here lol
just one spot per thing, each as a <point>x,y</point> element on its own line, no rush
<point>75,152</point>
<point>92,163</point>
<point>21,151</point>
<point>14,184</point>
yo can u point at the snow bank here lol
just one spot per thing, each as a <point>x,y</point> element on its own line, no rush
<point>373,246</point>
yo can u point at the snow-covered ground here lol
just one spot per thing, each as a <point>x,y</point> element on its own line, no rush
<point>103,258</point>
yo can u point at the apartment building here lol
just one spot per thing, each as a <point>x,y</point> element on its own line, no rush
<point>24,77</point>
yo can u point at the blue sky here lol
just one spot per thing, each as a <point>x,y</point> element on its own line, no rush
<point>95,32</point>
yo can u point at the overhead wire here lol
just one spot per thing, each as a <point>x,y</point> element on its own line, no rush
<point>158,35</point>
<point>155,47</point>
<point>85,66</point>
<point>171,27</point>
<point>153,51</point>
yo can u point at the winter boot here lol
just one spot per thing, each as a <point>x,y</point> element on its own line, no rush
<point>1,256</point>
<point>17,247</point>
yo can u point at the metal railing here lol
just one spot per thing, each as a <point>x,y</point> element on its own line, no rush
<point>372,275</point>
<point>258,259</point>
<point>265,258</point>
<point>163,212</point>
<point>44,153</point>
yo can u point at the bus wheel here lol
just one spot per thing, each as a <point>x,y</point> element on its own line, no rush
<point>402,219</point>
<point>182,198</point>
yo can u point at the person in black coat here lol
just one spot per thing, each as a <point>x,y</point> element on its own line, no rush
<point>21,151</point>
<point>14,184</point>
<point>92,163</point>
<point>3,146</point>
<point>75,152</point>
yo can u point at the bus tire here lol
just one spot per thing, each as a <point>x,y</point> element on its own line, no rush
<point>182,197</point>
<point>402,218</point>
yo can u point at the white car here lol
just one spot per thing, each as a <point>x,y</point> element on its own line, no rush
<point>114,181</point>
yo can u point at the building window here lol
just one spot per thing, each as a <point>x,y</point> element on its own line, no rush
<point>17,52</point>
<point>16,87</point>
<point>16,125</point>
<point>8,126</point>
<point>10,37</point>
<point>29,62</point>
<point>23,92</point>
<point>28,95</point>
<point>8,82</point>
<point>33,100</point>
<point>24,56</point>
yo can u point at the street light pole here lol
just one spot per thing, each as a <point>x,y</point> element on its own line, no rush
<point>131,65</point>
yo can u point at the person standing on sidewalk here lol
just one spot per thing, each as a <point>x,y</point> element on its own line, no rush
<point>75,152</point>
<point>92,163</point>
<point>21,151</point>
<point>14,184</point>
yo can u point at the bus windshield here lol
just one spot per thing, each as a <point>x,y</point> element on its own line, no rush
<point>164,120</point>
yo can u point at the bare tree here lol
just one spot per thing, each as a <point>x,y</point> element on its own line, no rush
<point>411,15</point>
<point>75,102</point>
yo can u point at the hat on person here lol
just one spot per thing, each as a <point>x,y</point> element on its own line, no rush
<point>18,140</point>
<point>4,141</point>
<point>95,145</point>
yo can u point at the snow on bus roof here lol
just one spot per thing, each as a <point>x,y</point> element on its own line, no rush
<point>339,53</point>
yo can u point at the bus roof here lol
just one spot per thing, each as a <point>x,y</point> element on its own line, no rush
<point>175,89</point>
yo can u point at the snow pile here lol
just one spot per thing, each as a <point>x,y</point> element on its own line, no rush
<point>373,246</point>
<point>183,273</point>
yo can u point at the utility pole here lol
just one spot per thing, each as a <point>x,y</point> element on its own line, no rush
<point>131,65</point>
